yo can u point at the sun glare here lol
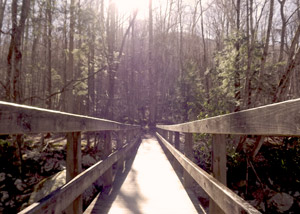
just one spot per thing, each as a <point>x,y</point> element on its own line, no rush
<point>128,6</point>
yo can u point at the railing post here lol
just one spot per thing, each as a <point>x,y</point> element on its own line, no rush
<point>170,137</point>
<point>176,144</point>
<point>188,151</point>
<point>107,176</point>
<point>176,140</point>
<point>128,136</point>
<point>218,166</point>
<point>119,146</point>
<point>74,167</point>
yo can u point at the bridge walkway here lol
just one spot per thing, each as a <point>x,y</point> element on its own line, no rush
<point>150,185</point>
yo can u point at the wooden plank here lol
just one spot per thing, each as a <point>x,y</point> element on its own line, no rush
<point>171,137</point>
<point>279,119</point>
<point>107,176</point>
<point>119,146</point>
<point>151,186</point>
<point>218,166</point>
<point>188,152</point>
<point>223,196</point>
<point>73,168</point>
<point>58,200</point>
<point>15,119</point>
<point>176,144</point>
<point>177,141</point>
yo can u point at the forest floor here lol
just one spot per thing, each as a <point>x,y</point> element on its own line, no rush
<point>19,186</point>
<point>269,181</point>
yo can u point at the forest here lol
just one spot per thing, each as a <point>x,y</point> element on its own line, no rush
<point>179,61</point>
<point>154,62</point>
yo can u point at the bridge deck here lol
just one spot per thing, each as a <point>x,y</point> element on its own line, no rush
<point>151,186</point>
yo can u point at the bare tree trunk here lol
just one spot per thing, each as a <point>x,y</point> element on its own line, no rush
<point>153,83</point>
<point>237,83</point>
<point>111,32</point>
<point>265,52</point>
<point>2,9</point>
<point>49,53</point>
<point>133,90</point>
<point>292,62</point>
<point>65,61</point>
<point>70,66</point>
<point>14,56</point>
<point>283,29</point>
<point>205,61</point>
<point>249,54</point>
<point>183,86</point>
<point>91,70</point>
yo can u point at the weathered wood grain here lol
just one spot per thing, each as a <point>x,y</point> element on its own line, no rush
<point>107,176</point>
<point>188,152</point>
<point>151,187</point>
<point>218,166</point>
<point>227,200</point>
<point>279,119</point>
<point>59,200</point>
<point>16,119</point>
<point>73,168</point>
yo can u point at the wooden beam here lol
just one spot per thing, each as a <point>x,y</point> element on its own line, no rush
<point>279,119</point>
<point>226,199</point>
<point>107,176</point>
<point>218,166</point>
<point>120,141</point>
<point>176,144</point>
<point>177,140</point>
<point>73,168</point>
<point>17,119</point>
<point>58,200</point>
<point>171,137</point>
<point>188,152</point>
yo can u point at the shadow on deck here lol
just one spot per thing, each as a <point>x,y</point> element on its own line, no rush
<point>148,184</point>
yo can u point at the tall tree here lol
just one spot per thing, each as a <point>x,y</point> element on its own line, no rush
<point>237,81</point>
<point>152,82</point>
<point>70,65</point>
<point>49,53</point>
<point>14,56</point>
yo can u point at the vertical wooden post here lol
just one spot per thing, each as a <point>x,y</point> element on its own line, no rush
<point>218,166</point>
<point>119,146</point>
<point>188,152</point>
<point>128,136</point>
<point>107,176</point>
<point>74,167</point>
<point>171,137</point>
<point>176,144</point>
<point>128,140</point>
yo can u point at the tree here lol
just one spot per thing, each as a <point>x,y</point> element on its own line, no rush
<point>14,56</point>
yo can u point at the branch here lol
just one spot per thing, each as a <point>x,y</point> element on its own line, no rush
<point>65,87</point>
<point>125,35</point>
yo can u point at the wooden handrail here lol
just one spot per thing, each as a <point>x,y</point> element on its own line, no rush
<point>20,119</point>
<point>59,200</point>
<point>226,199</point>
<point>17,119</point>
<point>279,119</point>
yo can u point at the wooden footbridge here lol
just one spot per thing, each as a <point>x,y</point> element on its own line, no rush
<point>146,181</point>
